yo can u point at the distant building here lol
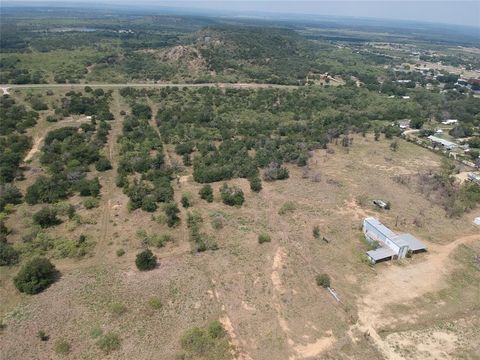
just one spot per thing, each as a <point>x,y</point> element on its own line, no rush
<point>404,124</point>
<point>450,122</point>
<point>445,143</point>
<point>474,178</point>
<point>390,245</point>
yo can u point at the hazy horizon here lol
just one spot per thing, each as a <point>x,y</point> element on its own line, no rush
<point>465,13</point>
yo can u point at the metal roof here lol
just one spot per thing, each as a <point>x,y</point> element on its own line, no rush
<point>380,227</point>
<point>413,243</point>
<point>380,253</point>
<point>444,142</point>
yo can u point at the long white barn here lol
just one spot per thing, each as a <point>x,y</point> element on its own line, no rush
<point>390,244</point>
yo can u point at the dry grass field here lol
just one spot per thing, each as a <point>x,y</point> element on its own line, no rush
<point>265,295</point>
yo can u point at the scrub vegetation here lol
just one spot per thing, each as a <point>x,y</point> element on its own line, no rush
<point>142,215</point>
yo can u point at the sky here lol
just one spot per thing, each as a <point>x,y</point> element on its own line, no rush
<point>437,11</point>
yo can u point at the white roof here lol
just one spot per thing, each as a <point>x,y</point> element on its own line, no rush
<point>444,142</point>
<point>413,243</point>
<point>380,227</point>
<point>477,221</point>
<point>380,253</point>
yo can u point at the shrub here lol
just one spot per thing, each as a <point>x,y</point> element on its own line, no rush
<point>187,161</point>
<point>157,240</point>
<point>35,276</point>
<point>264,237</point>
<point>9,194</point>
<point>417,123</point>
<point>62,347</point>
<point>184,148</point>
<point>186,200</point>
<point>206,193</point>
<point>120,252</point>
<point>323,280</point>
<point>155,303</point>
<point>275,172</point>
<point>103,164</point>
<point>3,231</point>
<point>287,207</point>
<point>8,255</point>
<point>217,220</point>
<point>42,335</point>
<point>149,204</point>
<point>171,211</point>
<point>232,195</point>
<point>66,248</point>
<point>89,187</point>
<point>109,342</point>
<point>46,217</point>
<point>118,309</point>
<point>90,203</point>
<point>316,232</point>
<point>206,343</point>
<point>95,332</point>
<point>201,240</point>
<point>146,260</point>
<point>255,184</point>
<point>215,329</point>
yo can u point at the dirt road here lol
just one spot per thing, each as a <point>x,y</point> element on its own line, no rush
<point>400,284</point>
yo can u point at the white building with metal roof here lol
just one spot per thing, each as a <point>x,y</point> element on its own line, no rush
<point>445,143</point>
<point>389,244</point>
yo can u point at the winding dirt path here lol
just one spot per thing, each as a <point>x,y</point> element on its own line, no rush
<point>400,284</point>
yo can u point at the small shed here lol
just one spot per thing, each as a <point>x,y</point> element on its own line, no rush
<point>412,242</point>
<point>380,254</point>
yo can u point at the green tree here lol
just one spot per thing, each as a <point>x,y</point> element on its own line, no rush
<point>8,255</point>
<point>145,260</point>
<point>255,184</point>
<point>171,211</point>
<point>185,200</point>
<point>417,123</point>
<point>323,280</point>
<point>46,217</point>
<point>103,164</point>
<point>35,276</point>
<point>206,193</point>
<point>232,195</point>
